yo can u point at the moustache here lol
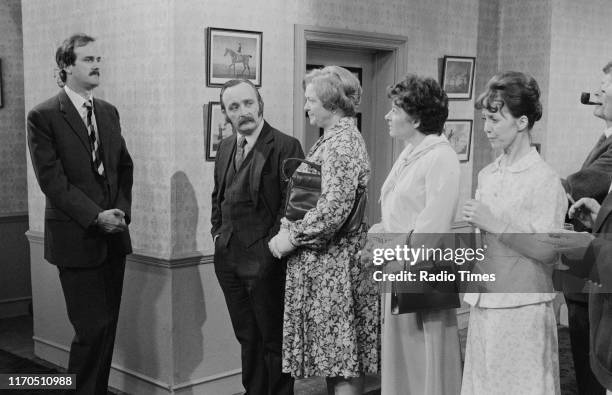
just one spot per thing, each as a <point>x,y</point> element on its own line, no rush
<point>245,120</point>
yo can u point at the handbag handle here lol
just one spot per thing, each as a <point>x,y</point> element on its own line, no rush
<point>311,164</point>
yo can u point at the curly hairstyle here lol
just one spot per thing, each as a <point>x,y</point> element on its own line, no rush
<point>517,91</point>
<point>424,100</point>
<point>65,56</point>
<point>336,87</point>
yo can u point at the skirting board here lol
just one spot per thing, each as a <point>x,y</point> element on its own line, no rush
<point>15,307</point>
<point>137,383</point>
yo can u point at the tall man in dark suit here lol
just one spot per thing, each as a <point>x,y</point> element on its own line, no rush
<point>590,257</point>
<point>85,171</point>
<point>593,180</point>
<point>247,205</point>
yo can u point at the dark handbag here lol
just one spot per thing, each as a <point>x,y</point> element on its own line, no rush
<point>415,296</point>
<point>303,193</point>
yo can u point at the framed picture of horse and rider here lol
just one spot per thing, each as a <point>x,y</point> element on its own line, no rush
<point>233,54</point>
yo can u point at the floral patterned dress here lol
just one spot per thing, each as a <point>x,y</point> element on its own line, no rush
<point>331,319</point>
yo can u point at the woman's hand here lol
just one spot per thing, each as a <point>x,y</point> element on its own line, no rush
<point>280,245</point>
<point>586,210</point>
<point>479,215</point>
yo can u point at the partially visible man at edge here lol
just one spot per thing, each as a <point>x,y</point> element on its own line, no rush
<point>593,180</point>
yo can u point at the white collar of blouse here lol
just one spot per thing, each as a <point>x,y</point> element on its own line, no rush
<point>522,164</point>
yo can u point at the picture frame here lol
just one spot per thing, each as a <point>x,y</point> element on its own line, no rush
<point>1,98</point>
<point>459,135</point>
<point>233,54</point>
<point>216,129</point>
<point>458,77</point>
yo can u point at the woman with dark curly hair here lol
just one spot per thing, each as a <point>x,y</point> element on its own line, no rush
<point>420,351</point>
<point>331,319</point>
<point>512,336</point>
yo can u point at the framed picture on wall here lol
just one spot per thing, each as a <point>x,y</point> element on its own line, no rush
<point>216,129</point>
<point>458,77</point>
<point>459,134</point>
<point>233,54</point>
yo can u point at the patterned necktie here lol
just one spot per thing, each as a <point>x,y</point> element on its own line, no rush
<point>93,142</point>
<point>240,151</point>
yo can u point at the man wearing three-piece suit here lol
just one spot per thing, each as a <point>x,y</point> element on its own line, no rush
<point>85,171</point>
<point>593,181</point>
<point>247,205</point>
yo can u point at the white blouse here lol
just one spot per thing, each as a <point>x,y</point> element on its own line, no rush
<point>529,197</point>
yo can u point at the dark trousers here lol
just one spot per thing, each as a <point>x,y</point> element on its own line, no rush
<point>93,296</point>
<point>253,284</point>
<point>578,317</point>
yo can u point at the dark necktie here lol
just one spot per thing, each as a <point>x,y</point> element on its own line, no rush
<point>240,151</point>
<point>93,143</point>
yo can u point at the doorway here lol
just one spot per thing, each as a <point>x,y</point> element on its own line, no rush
<point>380,60</point>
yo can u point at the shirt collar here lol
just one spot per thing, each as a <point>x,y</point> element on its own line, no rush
<point>76,98</point>
<point>522,164</point>
<point>608,132</point>
<point>251,139</point>
<point>426,143</point>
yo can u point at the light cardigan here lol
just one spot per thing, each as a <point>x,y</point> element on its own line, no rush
<point>422,189</point>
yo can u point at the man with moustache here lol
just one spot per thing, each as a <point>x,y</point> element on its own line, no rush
<point>247,205</point>
<point>85,171</point>
<point>593,180</point>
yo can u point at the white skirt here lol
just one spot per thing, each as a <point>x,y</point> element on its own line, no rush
<point>512,351</point>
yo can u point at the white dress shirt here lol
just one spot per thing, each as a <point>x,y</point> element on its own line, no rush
<point>79,103</point>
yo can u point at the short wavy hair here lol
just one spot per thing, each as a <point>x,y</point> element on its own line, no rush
<point>424,100</point>
<point>65,56</point>
<point>336,87</point>
<point>517,91</point>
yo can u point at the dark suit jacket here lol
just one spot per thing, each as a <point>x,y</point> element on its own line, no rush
<point>597,266</point>
<point>267,186</point>
<point>593,179</point>
<point>75,194</point>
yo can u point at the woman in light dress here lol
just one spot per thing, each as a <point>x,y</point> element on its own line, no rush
<point>512,336</point>
<point>331,320</point>
<point>420,351</point>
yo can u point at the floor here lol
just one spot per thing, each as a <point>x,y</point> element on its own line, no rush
<point>16,338</point>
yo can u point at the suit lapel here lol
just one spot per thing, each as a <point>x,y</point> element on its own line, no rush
<point>224,161</point>
<point>261,150</point>
<point>597,151</point>
<point>604,212</point>
<point>103,123</point>
<point>73,119</point>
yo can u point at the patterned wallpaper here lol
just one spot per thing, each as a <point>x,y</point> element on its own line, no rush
<point>13,183</point>
<point>580,47</point>
<point>524,46</point>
